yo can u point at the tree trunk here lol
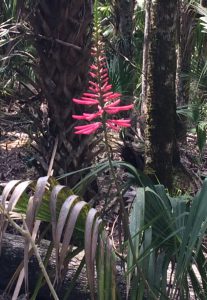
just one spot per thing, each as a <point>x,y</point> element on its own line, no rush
<point>124,25</point>
<point>63,39</point>
<point>145,55</point>
<point>186,40</point>
<point>160,145</point>
<point>124,10</point>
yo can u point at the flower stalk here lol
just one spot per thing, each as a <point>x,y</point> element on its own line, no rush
<point>101,97</point>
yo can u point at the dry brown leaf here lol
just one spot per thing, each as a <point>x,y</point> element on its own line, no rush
<point>91,217</point>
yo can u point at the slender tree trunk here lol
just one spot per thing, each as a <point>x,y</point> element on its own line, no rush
<point>124,24</point>
<point>124,10</point>
<point>145,55</point>
<point>185,46</point>
<point>160,146</point>
<point>186,41</point>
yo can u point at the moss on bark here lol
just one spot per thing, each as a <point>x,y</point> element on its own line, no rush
<point>160,148</point>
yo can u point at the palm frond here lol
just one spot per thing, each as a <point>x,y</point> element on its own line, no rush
<point>70,218</point>
<point>168,236</point>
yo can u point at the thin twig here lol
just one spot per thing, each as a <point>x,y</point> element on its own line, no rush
<point>49,173</point>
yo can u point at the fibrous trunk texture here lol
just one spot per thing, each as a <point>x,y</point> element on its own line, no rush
<point>63,41</point>
<point>161,98</point>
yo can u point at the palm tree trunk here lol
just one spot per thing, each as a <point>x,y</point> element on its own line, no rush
<point>63,38</point>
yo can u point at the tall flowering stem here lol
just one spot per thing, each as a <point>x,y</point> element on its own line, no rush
<point>100,95</point>
<point>106,104</point>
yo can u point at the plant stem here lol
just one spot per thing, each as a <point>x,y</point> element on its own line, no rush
<point>125,219</point>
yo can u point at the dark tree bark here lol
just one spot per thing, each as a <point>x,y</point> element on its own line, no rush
<point>63,31</point>
<point>160,146</point>
<point>145,55</point>
<point>124,26</point>
<point>204,3</point>
<point>124,12</point>
<point>186,40</point>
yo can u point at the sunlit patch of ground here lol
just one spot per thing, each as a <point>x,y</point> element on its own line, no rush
<point>13,139</point>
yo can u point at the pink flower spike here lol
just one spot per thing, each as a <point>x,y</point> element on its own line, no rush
<point>88,126</point>
<point>107,87</point>
<point>111,98</point>
<point>94,84</point>
<point>102,58</point>
<point>93,67</point>
<point>108,94</point>
<point>100,95</point>
<point>104,71</point>
<point>104,76</point>
<point>112,95</point>
<point>105,80</point>
<point>112,126</point>
<point>117,124</point>
<point>93,75</point>
<point>89,99</point>
<point>93,90</point>
<point>86,102</point>
<point>90,117</point>
<point>115,110</point>
<point>89,95</point>
<point>115,103</point>
<point>123,123</point>
<point>76,117</point>
<point>87,129</point>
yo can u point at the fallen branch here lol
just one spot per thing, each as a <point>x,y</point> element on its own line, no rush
<point>13,254</point>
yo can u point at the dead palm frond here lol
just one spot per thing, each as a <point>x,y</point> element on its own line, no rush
<point>71,220</point>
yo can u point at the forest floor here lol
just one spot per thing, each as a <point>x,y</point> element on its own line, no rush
<point>17,155</point>
<point>15,145</point>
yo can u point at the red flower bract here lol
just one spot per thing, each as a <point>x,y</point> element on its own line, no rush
<point>87,129</point>
<point>100,94</point>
